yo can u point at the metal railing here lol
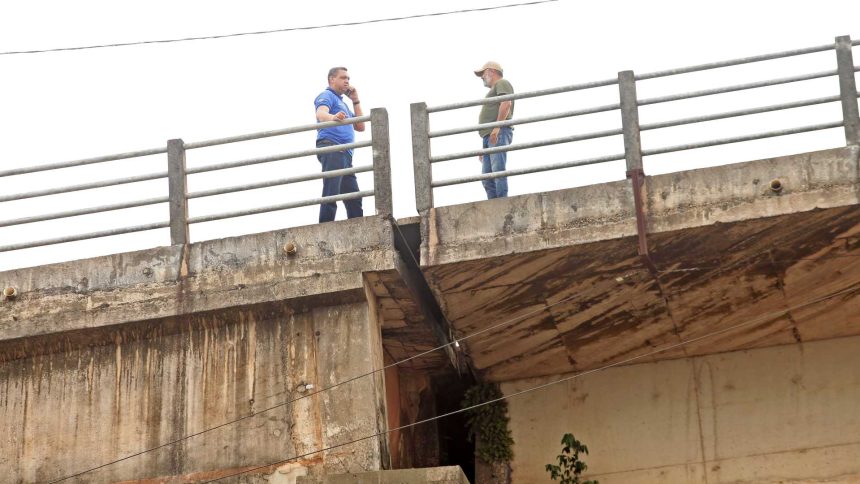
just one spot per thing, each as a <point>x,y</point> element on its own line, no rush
<point>630,129</point>
<point>177,174</point>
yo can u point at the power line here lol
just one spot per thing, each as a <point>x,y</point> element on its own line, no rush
<point>287,29</point>
<point>764,318</point>
<point>370,373</point>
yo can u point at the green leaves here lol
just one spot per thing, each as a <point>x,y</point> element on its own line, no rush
<point>569,466</point>
<point>489,423</point>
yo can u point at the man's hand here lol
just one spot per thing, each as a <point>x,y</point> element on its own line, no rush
<point>494,136</point>
<point>353,94</point>
<point>339,116</point>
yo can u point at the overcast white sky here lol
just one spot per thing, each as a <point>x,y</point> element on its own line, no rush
<point>70,105</point>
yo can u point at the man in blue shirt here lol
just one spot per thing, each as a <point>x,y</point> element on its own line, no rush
<point>330,106</point>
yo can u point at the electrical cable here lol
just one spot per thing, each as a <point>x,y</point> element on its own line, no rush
<point>288,29</point>
<point>761,319</point>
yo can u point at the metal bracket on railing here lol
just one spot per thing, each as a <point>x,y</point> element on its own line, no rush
<point>848,90</point>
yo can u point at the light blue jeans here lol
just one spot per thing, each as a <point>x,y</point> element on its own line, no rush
<point>497,187</point>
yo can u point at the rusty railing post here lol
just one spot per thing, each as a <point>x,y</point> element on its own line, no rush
<point>178,191</point>
<point>421,157</point>
<point>633,153</point>
<point>381,161</point>
<point>848,90</point>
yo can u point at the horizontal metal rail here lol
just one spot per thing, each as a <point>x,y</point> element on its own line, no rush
<point>523,146</point>
<point>282,181</point>
<point>91,235</point>
<point>737,87</point>
<point>277,132</point>
<point>525,171</point>
<point>733,114</point>
<point>274,208</point>
<point>286,156</point>
<point>534,119</point>
<point>738,139</point>
<point>734,62</point>
<point>83,211</point>
<point>522,95</point>
<point>86,161</point>
<point>86,186</point>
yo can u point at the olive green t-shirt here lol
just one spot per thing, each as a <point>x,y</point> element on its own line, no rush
<point>490,112</point>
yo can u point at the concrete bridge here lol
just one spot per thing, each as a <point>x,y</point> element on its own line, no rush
<point>106,357</point>
<point>701,327</point>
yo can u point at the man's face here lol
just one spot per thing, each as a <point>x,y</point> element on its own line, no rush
<point>340,82</point>
<point>487,77</point>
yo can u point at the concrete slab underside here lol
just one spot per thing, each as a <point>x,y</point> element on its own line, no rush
<point>577,305</point>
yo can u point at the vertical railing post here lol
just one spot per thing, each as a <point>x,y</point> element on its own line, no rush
<point>633,153</point>
<point>381,161</point>
<point>178,192</point>
<point>421,157</point>
<point>848,90</point>
<point>630,120</point>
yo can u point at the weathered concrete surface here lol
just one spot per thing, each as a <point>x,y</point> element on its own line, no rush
<point>437,475</point>
<point>215,274</point>
<point>782,414</point>
<point>67,411</point>
<point>105,357</point>
<point>728,249</point>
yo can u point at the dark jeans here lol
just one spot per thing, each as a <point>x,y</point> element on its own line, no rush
<point>337,185</point>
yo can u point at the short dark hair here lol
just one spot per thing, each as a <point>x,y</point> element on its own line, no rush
<point>333,71</point>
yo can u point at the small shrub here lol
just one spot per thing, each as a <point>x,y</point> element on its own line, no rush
<point>569,465</point>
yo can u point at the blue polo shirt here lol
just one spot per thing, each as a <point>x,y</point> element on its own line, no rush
<point>337,134</point>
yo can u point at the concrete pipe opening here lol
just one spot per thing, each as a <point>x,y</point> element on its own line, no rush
<point>776,185</point>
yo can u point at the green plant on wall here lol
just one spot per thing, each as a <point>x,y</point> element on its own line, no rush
<point>489,423</point>
<point>569,467</point>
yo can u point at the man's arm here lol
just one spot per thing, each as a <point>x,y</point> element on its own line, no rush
<point>504,110</point>
<point>356,106</point>
<point>323,115</point>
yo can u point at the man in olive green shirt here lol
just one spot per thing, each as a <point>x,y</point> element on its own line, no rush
<point>492,75</point>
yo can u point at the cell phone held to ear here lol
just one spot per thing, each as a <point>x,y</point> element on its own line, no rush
<point>348,92</point>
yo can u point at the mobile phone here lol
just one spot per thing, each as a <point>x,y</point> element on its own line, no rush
<point>348,91</point>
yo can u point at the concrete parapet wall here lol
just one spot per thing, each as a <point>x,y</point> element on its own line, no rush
<point>727,193</point>
<point>215,274</point>
<point>778,414</point>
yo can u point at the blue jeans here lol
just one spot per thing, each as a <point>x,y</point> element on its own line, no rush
<point>338,185</point>
<point>497,187</point>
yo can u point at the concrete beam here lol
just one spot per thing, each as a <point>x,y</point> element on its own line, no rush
<point>212,275</point>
